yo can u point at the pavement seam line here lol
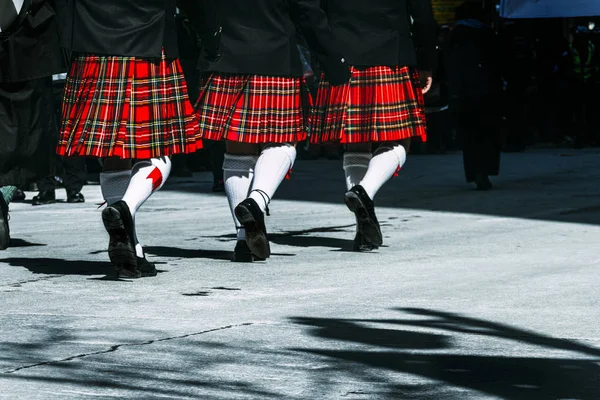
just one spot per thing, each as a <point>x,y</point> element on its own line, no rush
<point>116,347</point>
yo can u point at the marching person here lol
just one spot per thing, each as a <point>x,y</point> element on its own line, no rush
<point>126,99</point>
<point>30,54</point>
<point>254,98</point>
<point>382,107</point>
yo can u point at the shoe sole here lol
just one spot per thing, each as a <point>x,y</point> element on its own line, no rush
<point>255,238</point>
<point>120,251</point>
<point>242,258</point>
<point>365,248</point>
<point>4,234</point>
<point>369,228</point>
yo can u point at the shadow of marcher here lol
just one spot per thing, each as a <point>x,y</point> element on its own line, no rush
<point>509,377</point>
<point>59,266</point>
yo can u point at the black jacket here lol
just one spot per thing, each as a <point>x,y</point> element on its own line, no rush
<point>379,32</point>
<point>135,28</point>
<point>473,62</point>
<point>259,38</point>
<point>32,50</point>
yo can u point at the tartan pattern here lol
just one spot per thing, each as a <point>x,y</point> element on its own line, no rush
<point>127,107</point>
<point>253,109</point>
<point>379,104</point>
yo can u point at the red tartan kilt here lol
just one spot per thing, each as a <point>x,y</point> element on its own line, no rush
<point>127,107</point>
<point>253,109</point>
<point>379,104</point>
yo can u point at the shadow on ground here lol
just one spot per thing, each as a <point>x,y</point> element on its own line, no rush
<point>59,266</point>
<point>507,376</point>
<point>378,357</point>
<point>558,185</point>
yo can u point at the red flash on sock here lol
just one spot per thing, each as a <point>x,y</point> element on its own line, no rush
<point>156,177</point>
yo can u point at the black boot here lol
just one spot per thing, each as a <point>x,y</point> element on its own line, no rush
<point>121,247</point>
<point>253,220</point>
<point>75,197</point>
<point>145,267</point>
<point>361,245</point>
<point>4,228</point>
<point>44,197</point>
<point>19,196</point>
<point>243,254</point>
<point>483,182</point>
<point>362,206</point>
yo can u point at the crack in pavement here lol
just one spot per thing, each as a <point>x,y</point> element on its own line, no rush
<point>116,347</point>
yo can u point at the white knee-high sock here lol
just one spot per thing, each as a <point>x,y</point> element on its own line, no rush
<point>383,166</point>
<point>114,184</point>
<point>238,172</point>
<point>147,177</point>
<point>355,167</point>
<point>273,164</point>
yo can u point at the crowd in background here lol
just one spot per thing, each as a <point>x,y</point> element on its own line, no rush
<point>543,74</point>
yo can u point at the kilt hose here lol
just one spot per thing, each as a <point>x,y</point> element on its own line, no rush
<point>253,109</point>
<point>127,107</point>
<point>379,104</point>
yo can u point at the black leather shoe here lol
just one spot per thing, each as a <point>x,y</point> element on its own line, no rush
<point>121,247</point>
<point>19,196</point>
<point>4,228</point>
<point>359,202</point>
<point>145,267</point>
<point>253,221</point>
<point>75,197</point>
<point>483,182</point>
<point>361,245</point>
<point>243,254</point>
<point>44,197</point>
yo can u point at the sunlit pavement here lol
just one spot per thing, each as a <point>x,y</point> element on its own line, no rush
<point>476,294</point>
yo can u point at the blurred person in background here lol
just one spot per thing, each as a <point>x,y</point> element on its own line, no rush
<point>30,54</point>
<point>475,85</point>
<point>69,172</point>
<point>582,62</point>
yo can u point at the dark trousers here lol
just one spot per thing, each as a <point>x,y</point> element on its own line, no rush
<point>27,129</point>
<point>582,99</point>
<point>71,169</point>
<point>216,153</point>
<point>477,123</point>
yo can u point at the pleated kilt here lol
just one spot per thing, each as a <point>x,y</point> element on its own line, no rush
<point>379,104</point>
<point>253,109</point>
<point>127,107</point>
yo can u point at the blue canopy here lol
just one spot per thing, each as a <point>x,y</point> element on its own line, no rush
<point>549,8</point>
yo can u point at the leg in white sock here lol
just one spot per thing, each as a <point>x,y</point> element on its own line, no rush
<point>238,172</point>
<point>147,177</point>
<point>273,164</point>
<point>382,167</point>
